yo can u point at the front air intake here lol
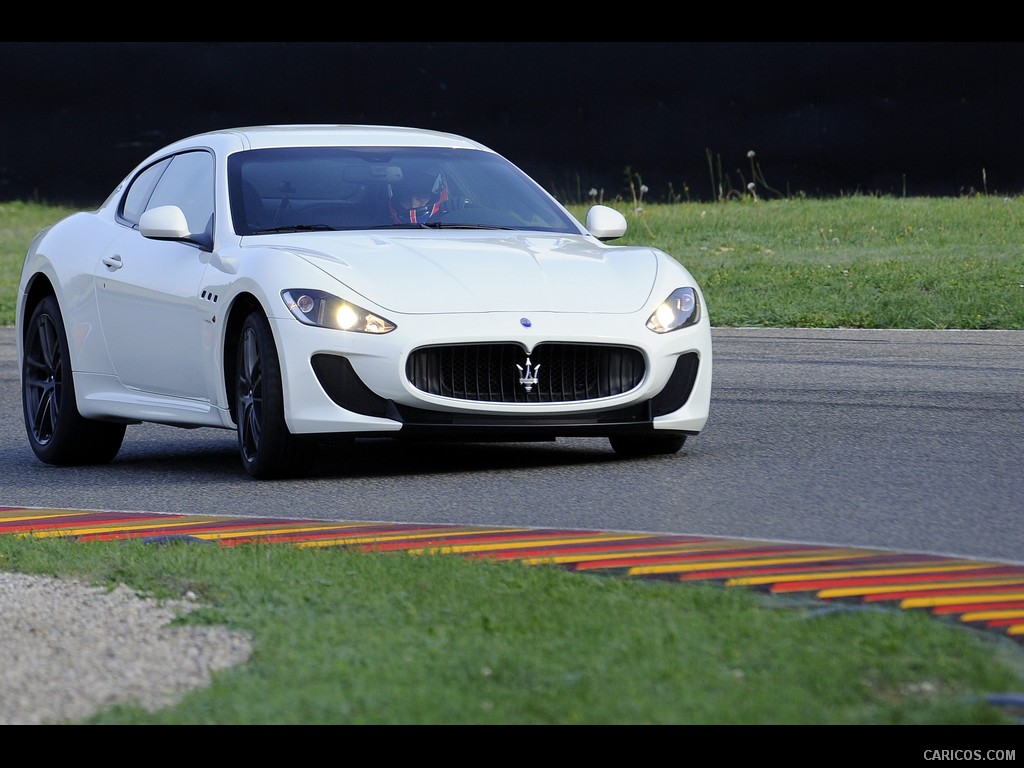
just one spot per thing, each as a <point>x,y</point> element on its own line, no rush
<point>552,373</point>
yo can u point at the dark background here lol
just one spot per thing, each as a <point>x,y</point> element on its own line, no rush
<point>823,118</point>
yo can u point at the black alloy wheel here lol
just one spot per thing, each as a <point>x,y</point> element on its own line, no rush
<point>56,430</point>
<point>267,448</point>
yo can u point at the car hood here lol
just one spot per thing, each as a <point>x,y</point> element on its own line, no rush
<point>426,272</point>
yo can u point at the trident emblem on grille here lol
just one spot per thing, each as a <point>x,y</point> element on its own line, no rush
<point>529,376</point>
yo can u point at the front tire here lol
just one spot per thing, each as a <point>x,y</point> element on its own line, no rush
<point>267,448</point>
<point>57,432</point>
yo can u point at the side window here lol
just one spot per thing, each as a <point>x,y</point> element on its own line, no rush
<point>187,183</point>
<point>135,202</point>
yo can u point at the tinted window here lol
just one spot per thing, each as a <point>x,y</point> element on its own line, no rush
<point>140,190</point>
<point>378,187</point>
<point>184,180</point>
<point>188,184</point>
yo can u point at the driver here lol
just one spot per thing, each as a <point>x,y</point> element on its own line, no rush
<point>418,198</point>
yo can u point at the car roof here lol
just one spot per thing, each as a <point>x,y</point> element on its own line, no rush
<point>264,136</point>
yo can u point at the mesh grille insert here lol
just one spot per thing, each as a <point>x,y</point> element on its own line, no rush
<point>489,372</point>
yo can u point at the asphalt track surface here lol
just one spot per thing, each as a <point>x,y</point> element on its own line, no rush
<point>977,589</point>
<point>985,595</point>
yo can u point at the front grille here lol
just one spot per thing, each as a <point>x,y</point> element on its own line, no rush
<point>487,372</point>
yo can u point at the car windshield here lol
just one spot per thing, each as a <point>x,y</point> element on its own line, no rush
<point>333,188</point>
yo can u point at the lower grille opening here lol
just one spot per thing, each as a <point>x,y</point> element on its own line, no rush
<point>552,373</point>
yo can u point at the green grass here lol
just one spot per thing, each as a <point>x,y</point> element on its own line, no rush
<point>343,637</point>
<point>19,222</point>
<point>855,262</point>
<point>355,638</point>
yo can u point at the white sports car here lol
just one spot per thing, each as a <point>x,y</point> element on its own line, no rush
<point>299,283</point>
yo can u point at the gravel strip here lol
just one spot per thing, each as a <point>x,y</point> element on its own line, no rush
<point>69,650</point>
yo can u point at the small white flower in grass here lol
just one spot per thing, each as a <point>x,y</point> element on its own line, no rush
<point>643,189</point>
<point>592,192</point>
<point>750,153</point>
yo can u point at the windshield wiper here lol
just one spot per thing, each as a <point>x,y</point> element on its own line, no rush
<point>456,225</point>
<point>438,225</point>
<point>295,228</point>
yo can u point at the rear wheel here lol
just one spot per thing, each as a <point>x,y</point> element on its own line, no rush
<point>56,430</point>
<point>646,445</point>
<point>267,448</point>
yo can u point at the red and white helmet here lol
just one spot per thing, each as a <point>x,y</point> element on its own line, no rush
<point>418,197</point>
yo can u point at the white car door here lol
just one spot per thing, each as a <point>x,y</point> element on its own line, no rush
<point>147,290</point>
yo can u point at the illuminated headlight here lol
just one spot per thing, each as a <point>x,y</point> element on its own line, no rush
<point>679,310</point>
<point>326,311</point>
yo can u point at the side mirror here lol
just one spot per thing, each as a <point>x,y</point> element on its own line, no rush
<point>605,223</point>
<point>164,223</point>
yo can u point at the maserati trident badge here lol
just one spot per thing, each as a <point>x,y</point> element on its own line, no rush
<point>528,377</point>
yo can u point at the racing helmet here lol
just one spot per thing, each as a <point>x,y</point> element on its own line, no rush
<point>418,197</point>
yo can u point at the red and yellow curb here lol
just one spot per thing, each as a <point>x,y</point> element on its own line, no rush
<point>985,595</point>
